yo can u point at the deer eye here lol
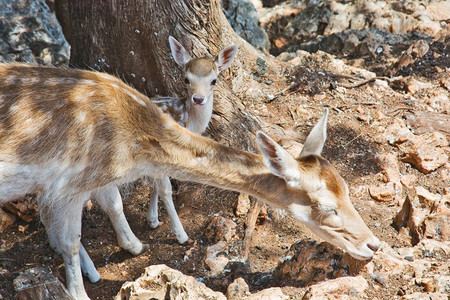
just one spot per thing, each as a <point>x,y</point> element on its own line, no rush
<point>186,81</point>
<point>213,82</point>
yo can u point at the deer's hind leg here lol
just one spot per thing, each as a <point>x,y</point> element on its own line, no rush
<point>63,221</point>
<point>86,263</point>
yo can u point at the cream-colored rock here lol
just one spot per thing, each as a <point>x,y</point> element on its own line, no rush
<point>388,261</point>
<point>384,192</point>
<point>398,133</point>
<point>428,296</point>
<point>216,258</point>
<point>408,180</point>
<point>238,290</point>
<point>339,288</point>
<point>242,205</point>
<point>426,198</point>
<point>426,152</point>
<point>268,294</point>
<point>220,229</point>
<point>162,282</point>
<point>5,220</point>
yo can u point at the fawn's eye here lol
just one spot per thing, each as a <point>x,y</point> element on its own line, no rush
<point>213,82</point>
<point>186,81</point>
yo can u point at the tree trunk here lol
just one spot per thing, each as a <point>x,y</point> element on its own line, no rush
<point>130,39</point>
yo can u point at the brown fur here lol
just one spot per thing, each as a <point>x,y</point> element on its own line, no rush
<point>201,67</point>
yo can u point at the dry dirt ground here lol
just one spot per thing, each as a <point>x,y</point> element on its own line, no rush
<point>357,114</point>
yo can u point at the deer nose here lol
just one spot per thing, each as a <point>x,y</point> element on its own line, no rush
<point>373,243</point>
<point>198,100</point>
<point>373,247</point>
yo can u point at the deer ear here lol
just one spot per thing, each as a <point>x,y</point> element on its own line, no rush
<point>225,57</point>
<point>180,55</point>
<point>317,137</point>
<point>278,160</point>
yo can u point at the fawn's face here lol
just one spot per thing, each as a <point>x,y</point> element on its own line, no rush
<point>200,76</point>
<point>201,73</point>
<point>317,195</point>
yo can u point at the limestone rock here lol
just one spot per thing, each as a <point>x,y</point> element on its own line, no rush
<point>426,152</point>
<point>421,296</point>
<point>308,262</point>
<point>29,32</point>
<point>244,20</point>
<point>383,192</point>
<point>220,229</point>
<point>425,218</point>
<point>397,133</point>
<point>268,294</point>
<point>25,209</point>
<point>5,220</point>
<point>162,282</point>
<point>426,198</point>
<point>216,258</point>
<point>238,289</point>
<point>408,180</point>
<point>326,20</point>
<point>340,288</point>
<point>241,205</point>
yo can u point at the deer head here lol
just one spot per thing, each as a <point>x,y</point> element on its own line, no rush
<point>317,194</point>
<point>201,73</point>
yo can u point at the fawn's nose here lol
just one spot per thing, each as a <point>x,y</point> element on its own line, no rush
<point>198,100</point>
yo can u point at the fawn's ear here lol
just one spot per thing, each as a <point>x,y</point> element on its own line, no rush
<point>180,55</point>
<point>317,137</point>
<point>277,159</point>
<point>225,57</point>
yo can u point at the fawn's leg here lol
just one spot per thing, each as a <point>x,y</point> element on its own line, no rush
<point>111,202</point>
<point>165,191</point>
<point>44,212</point>
<point>152,214</point>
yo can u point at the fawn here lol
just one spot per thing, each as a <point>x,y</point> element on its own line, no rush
<point>200,77</point>
<point>68,134</point>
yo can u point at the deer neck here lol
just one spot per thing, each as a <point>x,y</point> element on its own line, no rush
<point>199,116</point>
<point>190,157</point>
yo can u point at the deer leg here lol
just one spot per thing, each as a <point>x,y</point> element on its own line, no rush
<point>152,214</point>
<point>111,202</point>
<point>44,212</point>
<point>65,225</point>
<point>87,266</point>
<point>165,190</point>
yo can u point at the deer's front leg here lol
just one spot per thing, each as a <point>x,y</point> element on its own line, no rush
<point>111,202</point>
<point>165,191</point>
<point>64,223</point>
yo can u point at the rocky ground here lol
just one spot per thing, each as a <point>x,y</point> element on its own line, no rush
<point>383,69</point>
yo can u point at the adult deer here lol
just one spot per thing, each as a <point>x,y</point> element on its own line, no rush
<point>66,134</point>
<point>200,78</point>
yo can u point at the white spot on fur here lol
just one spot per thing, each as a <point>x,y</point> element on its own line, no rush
<point>87,82</point>
<point>134,97</point>
<point>30,80</point>
<point>11,79</point>
<point>81,116</point>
